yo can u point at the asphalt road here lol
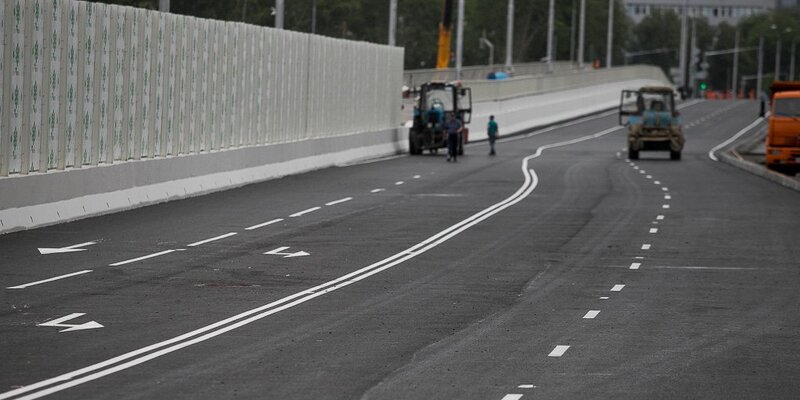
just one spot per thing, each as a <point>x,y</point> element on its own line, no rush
<point>554,270</point>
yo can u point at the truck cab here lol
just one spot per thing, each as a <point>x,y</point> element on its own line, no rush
<point>652,120</point>
<point>782,143</point>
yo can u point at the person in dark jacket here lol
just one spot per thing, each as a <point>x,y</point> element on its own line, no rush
<point>453,127</point>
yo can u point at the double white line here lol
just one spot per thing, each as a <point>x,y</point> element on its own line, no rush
<point>142,355</point>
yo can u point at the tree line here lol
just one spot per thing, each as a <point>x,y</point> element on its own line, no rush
<point>417,29</point>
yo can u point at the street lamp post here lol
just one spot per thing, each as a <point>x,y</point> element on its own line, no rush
<point>760,65</point>
<point>509,35</point>
<point>163,5</point>
<point>279,14</point>
<point>610,41</point>
<point>550,28</point>
<point>459,38</point>
<point>392,21</point>
<point>581,34</point>
<point>735,89</point>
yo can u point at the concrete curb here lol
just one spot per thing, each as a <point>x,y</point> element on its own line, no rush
<point>731,157</point>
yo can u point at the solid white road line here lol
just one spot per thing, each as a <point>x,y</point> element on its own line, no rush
<point>645,247</point>
<point>712,154</point>
<point>617,288</point>
<point>274,221</point>
<point>558,351</point>
<point>133,260</point>
<point>86,271</point>
<point>304,212</point>
<point>635,265</point>
<point>346,199</point>
<point>592,314</point>
<point>142,355</point>
<point>229,234</point>
<point>512,397</point>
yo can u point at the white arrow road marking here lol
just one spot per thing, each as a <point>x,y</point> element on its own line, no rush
<point>68,249</point>
<point>58,323</point>
<point>278,251</point>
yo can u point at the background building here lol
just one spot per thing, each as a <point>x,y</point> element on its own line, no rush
<point>716,11</point>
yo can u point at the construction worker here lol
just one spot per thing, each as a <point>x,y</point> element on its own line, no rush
<point>492,131</point>
<point>453,127</point>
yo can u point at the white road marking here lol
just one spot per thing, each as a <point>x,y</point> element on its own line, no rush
<point>667,197</point>
<point>635,265</point>
<point>665,206</point>
<point>86,271</point>
<point>278,251</point>
<point>229,234</point>
<point>591,314</point>
<point>274,221</point>
<point>653,230</point>
<point>641,171</point>
<point>638,258</point>
<point>59,323</point>
<point>512,397</point>
<point>657,182</point>
<point>304,212</point>
<point>144,354</point>
<point>526,386</point>
<point>665,188</point>
<point>604,298</point>
<point>68,249</point>
<point>712,153</point>
<point>558,351</point>
<point>649,176</point>
<point>660,217</point>
<point>706,268</point>
<point>133,260</point>
<point>645,247</point>
<point>344,200</point>
<point>617,288</point>
<point>635,167</point>
<point>417,177</point>
<point>398,183</point>
<point>377,190</point>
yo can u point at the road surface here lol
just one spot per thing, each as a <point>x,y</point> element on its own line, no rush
<point>556,269</point>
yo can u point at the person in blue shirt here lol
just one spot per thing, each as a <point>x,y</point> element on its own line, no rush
<point>492,130</point>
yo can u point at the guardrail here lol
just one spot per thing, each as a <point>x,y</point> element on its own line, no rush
<point>86,84</point>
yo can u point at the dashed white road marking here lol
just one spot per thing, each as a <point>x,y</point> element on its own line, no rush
<point>133,260</point>
<point>592,314</point>
<point>635,167</point>
<point>526,386</point>
<point>641,171</point>
<point>666,189</point>
<point>274,221</point>
<point>558,351</point>
<point>304,212</point>
<point>653,230</point>
<point>229,234</point>
<point>604,298</point>
<point>346,199</point>
<point>398,183</point>
<point>86,271</point>
<point>649,177</point>
<point>635,265</point>
<point>645,247</point>
<point>665,206</point>
<point>512,397</point>
<point>660,217</point>
<point>638,258</point>
<point>657,182</point>
<point>667,197</point>
<point>417,177</point>
<point>617,288</point>
<point>377,190</point>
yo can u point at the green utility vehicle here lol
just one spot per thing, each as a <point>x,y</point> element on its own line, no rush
<point>436,101</point>
<point>652,121</point>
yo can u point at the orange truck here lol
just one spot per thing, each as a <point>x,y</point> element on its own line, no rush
<point>783,135</point>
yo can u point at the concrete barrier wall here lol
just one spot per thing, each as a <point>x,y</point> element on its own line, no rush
<point>87,84</point>
<point>418,76</point>
<point>487,90</point>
